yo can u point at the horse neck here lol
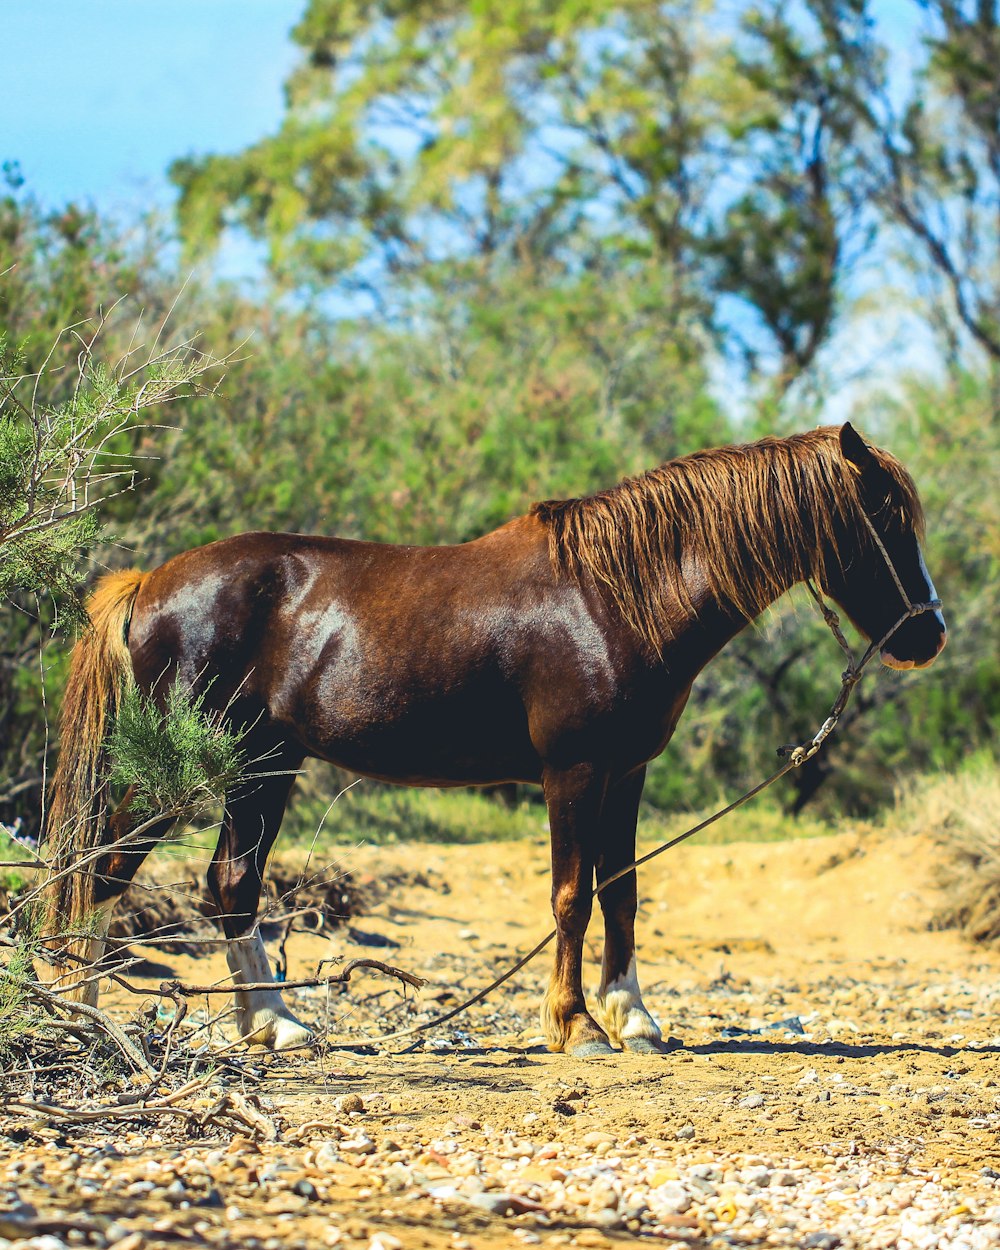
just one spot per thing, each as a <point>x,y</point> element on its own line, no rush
<point>723,617</point>
<point>748,523</point>
<point>711,624</point>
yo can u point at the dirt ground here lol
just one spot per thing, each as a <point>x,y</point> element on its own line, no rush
<point>833,1079</point>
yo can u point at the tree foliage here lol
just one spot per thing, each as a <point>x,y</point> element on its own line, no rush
<point>421,137</point>
<point>923,154</point>
<point>74,408</point>
<point>756,157</point>
<point>176,758</point>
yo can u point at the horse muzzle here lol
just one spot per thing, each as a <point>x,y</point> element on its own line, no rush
<point>893,661</point>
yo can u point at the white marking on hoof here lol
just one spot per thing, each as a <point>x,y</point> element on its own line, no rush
<point>261,1015</point>
<point>280,1032</point>
<point>553,1026</point>
<point>621,1011</point>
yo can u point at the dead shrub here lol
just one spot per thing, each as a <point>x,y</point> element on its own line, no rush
<point>961,811</point>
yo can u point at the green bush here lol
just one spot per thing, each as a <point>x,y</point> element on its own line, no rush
<point>177,759</point>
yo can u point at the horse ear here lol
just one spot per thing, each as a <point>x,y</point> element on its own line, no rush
<point>854,448</point>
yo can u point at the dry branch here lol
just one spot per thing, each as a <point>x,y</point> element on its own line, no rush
<point>170,988</point>
<point>229,1110</point>
<point>102,1022</point>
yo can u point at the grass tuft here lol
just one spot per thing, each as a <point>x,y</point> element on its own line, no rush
<point>960,811</point>
<point>18,1016</point>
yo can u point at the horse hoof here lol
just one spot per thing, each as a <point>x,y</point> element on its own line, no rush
<point>287,1034</point>
<point>591,1050</point>
<point>645,1046</point>
<point>280,1033</point>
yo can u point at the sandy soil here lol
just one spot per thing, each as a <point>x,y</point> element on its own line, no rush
<point>834,1075</point>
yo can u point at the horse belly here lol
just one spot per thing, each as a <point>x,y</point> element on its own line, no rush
<point>417,728</point>
<point>439,744</point>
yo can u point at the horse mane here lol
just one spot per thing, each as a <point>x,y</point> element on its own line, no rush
<point>758,516</point>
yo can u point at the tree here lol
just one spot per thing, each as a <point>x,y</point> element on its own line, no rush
<point>551,137</point>
<point>924,153</point>
<point>786,243</point>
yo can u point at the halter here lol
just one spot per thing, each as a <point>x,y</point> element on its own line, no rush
<point>852,674</point>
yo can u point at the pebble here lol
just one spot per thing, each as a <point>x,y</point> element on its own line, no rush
<point>603,1195</point>
<point>673,1197</point>
<point>600,1186</point>
<point>326,1157</point>
<point>755,1177</point>
<point>132,1241</point>
<point>385,1241</point>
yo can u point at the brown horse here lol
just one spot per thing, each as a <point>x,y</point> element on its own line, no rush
<point>559,649</point>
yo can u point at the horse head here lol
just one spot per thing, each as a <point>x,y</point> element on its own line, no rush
<point>862,579</point>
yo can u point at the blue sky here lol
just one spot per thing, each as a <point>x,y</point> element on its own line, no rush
<point>97,98</point>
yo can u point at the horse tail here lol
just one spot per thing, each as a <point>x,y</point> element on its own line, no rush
<point>99,669</point>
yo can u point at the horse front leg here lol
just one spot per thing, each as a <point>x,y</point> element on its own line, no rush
<point>574,798</point>
<point>249,827</point>
<point>619,1000</point>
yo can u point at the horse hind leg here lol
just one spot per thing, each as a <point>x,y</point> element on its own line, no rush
<point>113,873</point>
<point>620,1008</point>
<point>262,1014</point>
<point>249,827</point>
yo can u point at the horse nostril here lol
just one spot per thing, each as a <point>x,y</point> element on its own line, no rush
<point>942,643</point>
